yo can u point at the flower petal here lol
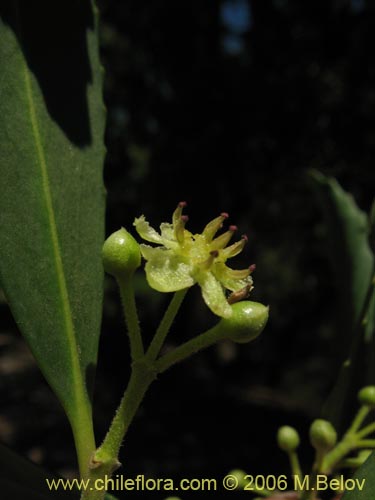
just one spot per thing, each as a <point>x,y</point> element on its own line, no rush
<point>232,279</point>
<point>165,271</point>
<point>168,236</point>
<point>145,231</point>
<point>213,294</point>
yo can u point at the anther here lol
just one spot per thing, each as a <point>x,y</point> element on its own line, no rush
<point>252,268</point>
<point>239,295</point>
<point>233,228</point>
<point>205,266</point>
<point>177,214</point>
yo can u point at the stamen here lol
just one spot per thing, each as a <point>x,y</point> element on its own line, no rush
<point>239,295</point>
<point>252,268</point>
<point>237,274</point>
<point>234,249</point>
<point>212,227</point>
<point>206,265</point>
<point>223,240</point>
<point>179,229</point>
<point>178,212</point>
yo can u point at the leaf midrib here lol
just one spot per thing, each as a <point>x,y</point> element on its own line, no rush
<point>78,386</point>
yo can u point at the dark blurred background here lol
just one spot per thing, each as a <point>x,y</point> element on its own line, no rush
<point>227,105</point>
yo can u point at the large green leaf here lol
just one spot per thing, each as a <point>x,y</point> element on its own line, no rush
<point>21,479</point>
<point>366,475</point>
<point>353,264</point>
<point>52,196</point>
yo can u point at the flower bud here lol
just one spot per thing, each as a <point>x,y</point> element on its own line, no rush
<point>288,438</point>
<point>121,254</point>
<point>240,477</point>
<point>323,436</point>
<point>366,396</point>
<point>246,322</point>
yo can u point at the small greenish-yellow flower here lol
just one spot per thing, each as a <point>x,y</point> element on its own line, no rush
<point>183,259</point>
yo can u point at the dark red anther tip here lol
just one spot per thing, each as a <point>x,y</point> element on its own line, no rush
<point>184,218</point>
<point>252,268</point>
<point>244,237</point>
<point>233,228</point>
<point>224,214</point>
<point>214,253</point>
<point>182,204</point>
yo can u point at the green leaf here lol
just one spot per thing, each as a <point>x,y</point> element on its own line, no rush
<point>20,479</point>
<point>353,265</point>
<point>52,197</point>
<point>366,475</point>
<point>350,251</point>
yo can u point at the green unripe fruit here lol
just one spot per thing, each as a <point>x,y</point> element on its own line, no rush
<point>247,321</point>
<point>288,438</point>
<point>121,254</point>
<point>366,396</point>
<point>323,436</point>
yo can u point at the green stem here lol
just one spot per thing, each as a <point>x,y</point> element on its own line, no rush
<point>84,440</point>
<point>294,464</point>
<point>165,324</point>
<point>335,456</point>
<point>131,316</point>
<point>351,463</point>
<point>365,443</point>
<point>350,441</point>
<point>359,418</point>
<point>141,377</point>
<point>194,345</point>
<point>105,461</point>
<point>317,467</point>
<point>366,430</point>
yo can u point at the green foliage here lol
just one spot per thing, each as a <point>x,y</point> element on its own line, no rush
<point>353,264</point>
<point>352,257</point>
<point>22,479</point>
<point>52,199</point>
<point>367,472</point>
